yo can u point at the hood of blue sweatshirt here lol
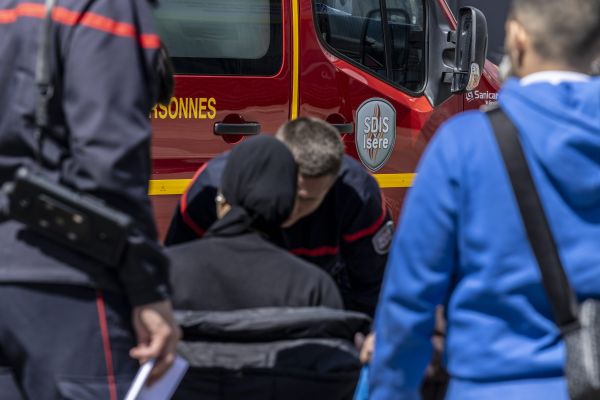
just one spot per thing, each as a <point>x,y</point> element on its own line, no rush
<point>561,125</point>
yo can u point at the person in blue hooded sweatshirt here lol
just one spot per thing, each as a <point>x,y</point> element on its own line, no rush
<point>461,242</point>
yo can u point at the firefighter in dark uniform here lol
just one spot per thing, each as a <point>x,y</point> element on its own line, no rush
<point>340,222</point>
<point>69,326</point>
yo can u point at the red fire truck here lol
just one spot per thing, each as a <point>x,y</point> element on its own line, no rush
<point>386,73</point>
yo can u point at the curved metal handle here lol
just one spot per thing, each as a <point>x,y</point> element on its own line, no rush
<point>344,128</point>
<point>244,129</point>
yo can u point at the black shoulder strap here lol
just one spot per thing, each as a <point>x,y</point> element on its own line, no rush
<point>558,289</point>
<point>43,79</point>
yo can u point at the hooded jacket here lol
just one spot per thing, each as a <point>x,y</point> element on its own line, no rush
<point>461,243</point>
<point>235,268</point>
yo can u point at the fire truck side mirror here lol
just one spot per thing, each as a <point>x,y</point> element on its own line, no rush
<point>471,49</point>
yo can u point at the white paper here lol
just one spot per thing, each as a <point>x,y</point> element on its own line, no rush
<point>162,389</point>
<point>140,379</point>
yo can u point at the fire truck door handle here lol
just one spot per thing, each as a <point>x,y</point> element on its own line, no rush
<point>345,128</point>
<point>245,129</point>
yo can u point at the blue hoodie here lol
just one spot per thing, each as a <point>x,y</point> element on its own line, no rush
<point>461,243</point>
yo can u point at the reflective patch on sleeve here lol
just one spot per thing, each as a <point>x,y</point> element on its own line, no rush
<point>383,238</point>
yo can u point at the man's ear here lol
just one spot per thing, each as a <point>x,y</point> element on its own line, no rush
<point>596,67</point>
<point>517,44</point>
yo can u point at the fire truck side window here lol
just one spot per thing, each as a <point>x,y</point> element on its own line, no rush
<point>354,30</point>
<point>222,37</point>
<point>407,34</point>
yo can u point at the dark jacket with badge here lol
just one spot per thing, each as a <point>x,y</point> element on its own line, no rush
<point>347,236</point>
<point>104,52</point>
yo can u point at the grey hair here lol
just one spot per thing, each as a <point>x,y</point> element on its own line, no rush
<point>315,144</point>
<point>562,30</point>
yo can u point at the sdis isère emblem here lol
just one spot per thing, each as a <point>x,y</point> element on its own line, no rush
<point>375,132</point>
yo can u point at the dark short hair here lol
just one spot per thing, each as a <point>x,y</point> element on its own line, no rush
<point>565,30</point>
<point>315,144</point>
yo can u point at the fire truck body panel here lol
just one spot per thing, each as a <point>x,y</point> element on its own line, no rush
<point>322,58</point>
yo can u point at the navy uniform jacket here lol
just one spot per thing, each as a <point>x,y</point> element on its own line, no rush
<point>105,51</point>
<point>348,235</point>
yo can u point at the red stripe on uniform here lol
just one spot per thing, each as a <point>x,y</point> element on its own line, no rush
<point>183,205</point>
<point>353,237</point>
<point>30,10</point>
<point>316,252</point>
<point>8,16</point>
<point>149,41</point>
<point>110,373</point>
<point>107,25</point>
<point>90,20</point>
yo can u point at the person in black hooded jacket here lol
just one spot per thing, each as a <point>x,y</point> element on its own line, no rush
<point>238,263</point>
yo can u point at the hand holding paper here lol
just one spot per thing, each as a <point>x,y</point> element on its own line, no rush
<point>163,388</point>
